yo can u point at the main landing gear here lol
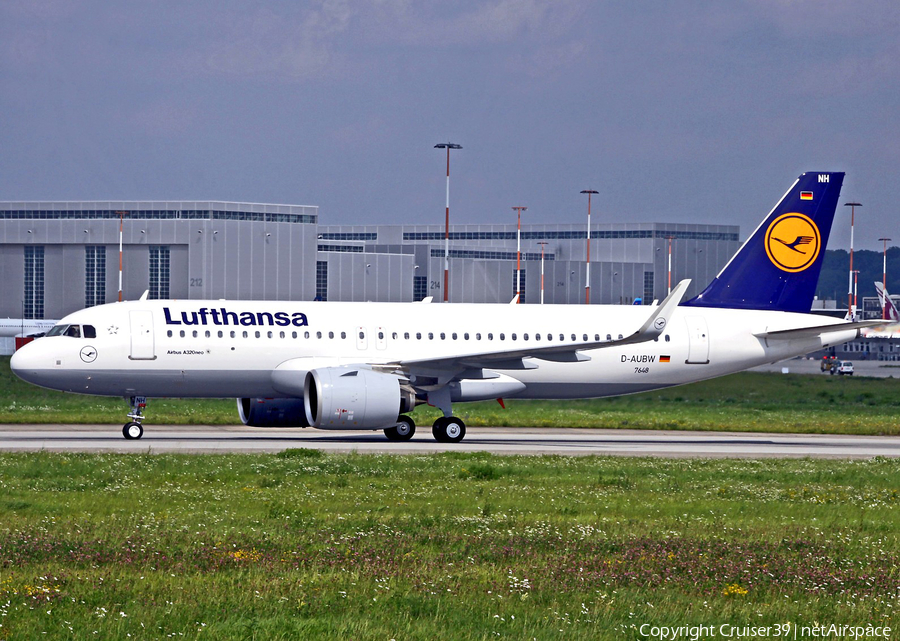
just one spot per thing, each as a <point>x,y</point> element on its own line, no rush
<point>447,429</point>
<point>402,431</point>
<point>134,429</point>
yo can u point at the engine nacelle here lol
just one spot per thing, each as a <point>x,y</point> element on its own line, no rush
<point>352,398</point>
<point>272,412</point>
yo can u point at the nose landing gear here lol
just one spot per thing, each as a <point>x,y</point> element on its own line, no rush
<point>134,429</point>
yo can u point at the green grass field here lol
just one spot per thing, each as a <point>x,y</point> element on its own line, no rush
<point>306,545</point>
<point>748,401</point>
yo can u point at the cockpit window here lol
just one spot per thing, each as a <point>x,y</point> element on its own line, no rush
<point>73,330</point>
<point>56,330</point>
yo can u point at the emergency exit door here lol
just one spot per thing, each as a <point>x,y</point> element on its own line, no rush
<point>698,340</point>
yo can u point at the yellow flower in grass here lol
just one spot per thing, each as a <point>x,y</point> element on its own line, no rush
<point>734,589</point>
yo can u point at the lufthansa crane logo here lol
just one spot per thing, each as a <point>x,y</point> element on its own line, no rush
<point>793,242</point>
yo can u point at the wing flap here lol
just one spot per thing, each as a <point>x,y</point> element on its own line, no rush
<point>818,330</point>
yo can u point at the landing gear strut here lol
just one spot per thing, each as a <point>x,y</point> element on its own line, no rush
<point>449,429</point>
<point>134,429</point>
<point>402,431</point>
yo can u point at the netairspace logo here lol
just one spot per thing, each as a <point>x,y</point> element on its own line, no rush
<point>779,630</point>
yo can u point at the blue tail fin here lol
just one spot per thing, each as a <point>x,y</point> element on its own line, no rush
<point>778,267</point>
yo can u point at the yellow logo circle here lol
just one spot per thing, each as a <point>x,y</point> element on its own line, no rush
<point>793,242</point>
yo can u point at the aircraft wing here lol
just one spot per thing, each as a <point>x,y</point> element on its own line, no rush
<point>818,330</point>
<point>652,328</point>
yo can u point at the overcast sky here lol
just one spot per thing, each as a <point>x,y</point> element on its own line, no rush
<point>687,111</point>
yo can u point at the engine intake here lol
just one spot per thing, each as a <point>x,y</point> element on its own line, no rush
<point>354,398</point>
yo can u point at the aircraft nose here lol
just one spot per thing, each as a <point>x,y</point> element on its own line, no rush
<point>25,363</point>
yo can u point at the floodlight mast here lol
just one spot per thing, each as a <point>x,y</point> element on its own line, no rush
<point>851,299</point>
<point>448,146</point>
<point>587,281</point>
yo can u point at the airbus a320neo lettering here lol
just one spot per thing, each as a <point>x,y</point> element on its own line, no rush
<point>334,365</point>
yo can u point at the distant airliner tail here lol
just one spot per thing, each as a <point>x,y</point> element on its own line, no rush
<point>778,267</point>
<point>888,308</point>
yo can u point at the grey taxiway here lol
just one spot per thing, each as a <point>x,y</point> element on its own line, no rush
<point>160,439</point>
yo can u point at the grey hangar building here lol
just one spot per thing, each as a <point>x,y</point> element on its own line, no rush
<point>59,257</point>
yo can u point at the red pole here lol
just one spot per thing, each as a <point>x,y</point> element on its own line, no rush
<point>519,211</point>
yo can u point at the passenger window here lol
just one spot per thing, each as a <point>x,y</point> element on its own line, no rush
<point>585,338</point>
<point>232,333</point>
<point>550,337</point>
<point>620,337</point>
<point>490,336</point>
<point>667,338</point>
<point>246,335</point>
<point>381,336</point>
<point>525,337</point>
<point>343,334</point>
<point>609,337</point>
<point>513,336</point>
<point>330,334</point>
<point>478,336</point>
<point>181,333</point>
<point>89,331</point>
<point>597,337</point>
<point>537,337</point>
<point>454,336</point>
<point>466,336</point>
<point>394,335</point>
<point>319,335</point>
<point>281,334</point>
<point>406,335</point>
<point>257,334</point>
<point>293,334</point>
<point>194,333</point>
<point>305,334</point>
<point>573,337</point>
<point>208,334</point>
<point>362,335</point>
<point>221,333</point>
<point>269,334</point>
<point>431,336</point>
<point>502,336</point>
<point>169,333</point>
<point>443,336</point>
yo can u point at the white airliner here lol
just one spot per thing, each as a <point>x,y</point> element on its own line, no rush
<point>337,365</point>
<point>18,327</point>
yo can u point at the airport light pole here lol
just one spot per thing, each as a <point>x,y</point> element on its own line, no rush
<point>587,281</point>
<point>519,211</point>
<point>121,219</point>
<point>855,275</point>
<point>448,146</point>
<point>884,313</point>
<point>670,239</point>
<point>851,299</point>
<point>542,244</point>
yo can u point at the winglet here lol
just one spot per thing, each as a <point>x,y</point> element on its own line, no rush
<point>656,324</point>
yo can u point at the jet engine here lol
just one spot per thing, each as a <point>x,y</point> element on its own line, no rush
<point>354,398</point>
<point>272,412</point>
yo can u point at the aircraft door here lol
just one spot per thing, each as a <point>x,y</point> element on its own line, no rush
<point>143,347</point>
<point>362,342</point>
<point>698,340</point>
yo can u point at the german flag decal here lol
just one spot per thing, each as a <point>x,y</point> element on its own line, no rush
<point>805,195</point>
<point>665,359</point>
